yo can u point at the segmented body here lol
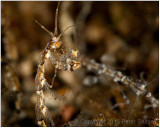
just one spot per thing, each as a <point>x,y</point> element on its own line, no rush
<point>40,83</point>
<point>67,61</point>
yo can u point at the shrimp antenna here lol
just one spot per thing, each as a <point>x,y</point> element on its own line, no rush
<point>66,30</point>
<point>56,20</point>
<point>44,28</point>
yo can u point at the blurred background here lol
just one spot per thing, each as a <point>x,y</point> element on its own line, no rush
<point>122,35</point>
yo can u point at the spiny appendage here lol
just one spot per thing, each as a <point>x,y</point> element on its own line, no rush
<point>118,76</point>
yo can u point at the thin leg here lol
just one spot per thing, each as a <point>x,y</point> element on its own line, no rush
<point>48,85</point>
<point>134,105</point>
<point>44,28</point>
<point>54,76</point>
<point>127,101</point>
